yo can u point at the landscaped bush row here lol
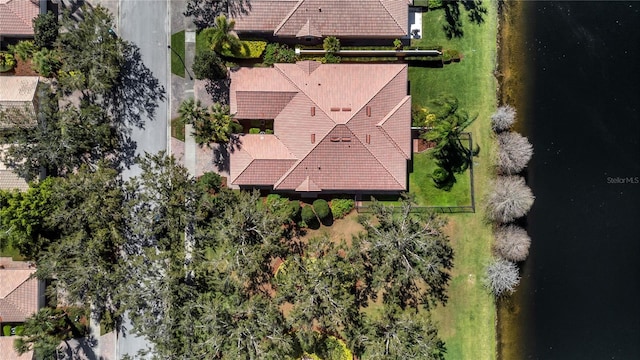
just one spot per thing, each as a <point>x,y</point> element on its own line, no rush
<point>258,131</point>
<point>6,330</point>
<point>310,215</point>
<point>248,49</point>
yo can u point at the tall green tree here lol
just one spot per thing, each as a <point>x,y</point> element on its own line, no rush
<point>208,65</point>
<point>86,260</point>
<point>88,47</point>
<point>46,329</point>
<point>446,123</point>
<point>409,255</point>
<point>45,30</point>
<point>398,335</point>
<point>210,126</point>
<point>22,217</point>
<point>223,36</point>
<point>321,285</point>
<point>61,139</point>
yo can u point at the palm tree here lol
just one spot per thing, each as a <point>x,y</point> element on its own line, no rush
<point>223,123</point>
<point>191,111</point>
<point>223,37</point>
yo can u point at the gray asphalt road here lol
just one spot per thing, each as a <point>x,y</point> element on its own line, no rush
<point>146,24</point>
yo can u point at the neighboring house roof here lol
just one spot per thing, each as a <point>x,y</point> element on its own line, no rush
<point>18,291</point>
<point>18,93</point>
<point>336,127</point>
<point>9,180</point>
<point>318,18</point>
<point>7,351</point>
<point>16,16</point>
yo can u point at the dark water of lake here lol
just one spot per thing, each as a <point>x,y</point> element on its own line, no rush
<point>580,297</point>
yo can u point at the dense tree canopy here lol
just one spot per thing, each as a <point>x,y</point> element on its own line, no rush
<point>210,126</point>
<point>410,256</point>
<point>205,12</point>
<point>45,30</point>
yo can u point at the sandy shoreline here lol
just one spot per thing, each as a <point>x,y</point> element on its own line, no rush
<point>513,84</point>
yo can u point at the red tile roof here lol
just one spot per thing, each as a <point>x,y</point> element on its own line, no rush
<point>16,16</point>
<point>346,128</point>
<point>18,292</point>
<point>362,18</point>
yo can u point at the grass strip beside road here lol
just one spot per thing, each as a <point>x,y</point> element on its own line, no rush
<point>467,323</point>
<point>177,44</point>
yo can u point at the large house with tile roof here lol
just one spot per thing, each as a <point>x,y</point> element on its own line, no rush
<point>336,127</point>
<point>16,17</point>
<point>17,93</point>
<point>21,295</point>
<point>386,19</point>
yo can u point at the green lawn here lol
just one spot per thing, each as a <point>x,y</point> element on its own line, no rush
<point>177,128</point>
<point>427,194</point>
<point>177,44</point>
<point>467,323</point>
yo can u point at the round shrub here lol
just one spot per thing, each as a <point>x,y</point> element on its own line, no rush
<point>7,61</point>
<point>502,277</point>
<point>514,152</point>
<point>510,199</point>
<point>294,208</point>
<point>210,181</point>
<point>503,118</point>
<point>322,208</point>
<point>46,62</point>
<point>341,207</point>
<point>307,214</point>
<point>512,243</point>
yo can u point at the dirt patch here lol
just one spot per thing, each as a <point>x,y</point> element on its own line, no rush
<point>23,68</point>
<point>342,229</point>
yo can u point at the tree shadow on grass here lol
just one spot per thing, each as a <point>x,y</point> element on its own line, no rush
<point>475,11</point>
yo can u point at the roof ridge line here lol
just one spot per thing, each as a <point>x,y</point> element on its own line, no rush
<point>300,91</point>
<point>380,125</point>
<point>374,95</point>
<point>354,135</point>
<point>24,21</point>
<point>390,14</point>
<point>288,172</point>
<point>286,18</point>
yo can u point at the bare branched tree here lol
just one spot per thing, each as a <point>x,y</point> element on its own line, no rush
<point>512,243</point>
<point>514,152</point>
<point>502,277</point>
<point>503,118</point>
<point>510,199</point>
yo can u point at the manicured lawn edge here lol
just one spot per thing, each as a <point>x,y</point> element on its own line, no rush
<point>467,322</point>
<point>177,44</point>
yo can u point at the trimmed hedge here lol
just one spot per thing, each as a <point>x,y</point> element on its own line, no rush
<point>322,208</point>
<point>341,207</point>
<point>249,49</point>
<point>254,131</point>
<point>308,216</point>
<point>279,53</point>
<point>6,330</point>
